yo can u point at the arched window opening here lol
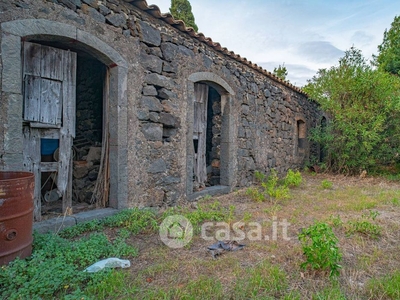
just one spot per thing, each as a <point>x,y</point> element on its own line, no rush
<point>301,137</point>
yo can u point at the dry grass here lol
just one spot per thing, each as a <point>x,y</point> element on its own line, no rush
<point>271,269</point>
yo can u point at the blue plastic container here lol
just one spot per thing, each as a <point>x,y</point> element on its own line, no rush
<point>48,146</point>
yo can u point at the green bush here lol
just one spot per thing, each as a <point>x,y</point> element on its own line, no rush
<point>293,178</point>
<point>363,102</point>
<point>320,248</point>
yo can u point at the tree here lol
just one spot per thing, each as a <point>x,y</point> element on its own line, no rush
<point>280,72</point>
<point>388,58</point>
<point>182,10</point>
<point>364,106</point>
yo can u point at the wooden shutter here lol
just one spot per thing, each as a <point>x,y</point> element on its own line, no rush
<point>43,83</point>
<point>199,133</point>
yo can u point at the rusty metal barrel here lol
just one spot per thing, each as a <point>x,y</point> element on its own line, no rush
<point>16,215</point>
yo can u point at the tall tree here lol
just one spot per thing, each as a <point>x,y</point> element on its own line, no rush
<point>388,58</point>
<point>364,105</point>
<point>280,72</point>
<point>182,10</point>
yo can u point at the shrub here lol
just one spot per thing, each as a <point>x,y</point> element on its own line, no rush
<point>293,178</point>
<point>362,101</point>
<point>320,248</point>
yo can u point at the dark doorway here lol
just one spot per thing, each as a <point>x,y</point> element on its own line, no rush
<point>213,138</point>
<point>206,137</point>
<point>89,129</point>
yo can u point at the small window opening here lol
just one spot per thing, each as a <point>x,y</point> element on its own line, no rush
<point>301,136</point>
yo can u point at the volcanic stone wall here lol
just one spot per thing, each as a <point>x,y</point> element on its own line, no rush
<point>264,111</point>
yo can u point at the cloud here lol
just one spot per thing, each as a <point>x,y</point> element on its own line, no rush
<point>297,74</point>
<point>319,51</point>
<point>361,38</point>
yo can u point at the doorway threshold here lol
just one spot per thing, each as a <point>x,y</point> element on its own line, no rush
<point>212,191</point>
<point>55,225</point>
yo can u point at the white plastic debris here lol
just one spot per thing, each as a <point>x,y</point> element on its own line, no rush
<point>111,262</point>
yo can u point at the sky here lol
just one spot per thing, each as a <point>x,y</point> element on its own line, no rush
<point>304,35</point>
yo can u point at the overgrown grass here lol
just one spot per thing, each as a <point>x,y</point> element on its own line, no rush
<point>386,287</point>
<point>267,269</point>
<point>135,220</point>
<point>56,266</point>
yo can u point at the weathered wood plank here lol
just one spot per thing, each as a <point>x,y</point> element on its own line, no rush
<point>44,126</point>
<point>69,85</point>
<point>49,133</point>
<point>67,202</point>
<point>32,164</point>
<point>32,58</point>
<point>67,130</point>
<point>199,133</point>
<point>49,166</point>
<point>101,188</point>
<point>50,102</point>
<point>32,98</point>
<point>52,63</point>
<point>63,159</point>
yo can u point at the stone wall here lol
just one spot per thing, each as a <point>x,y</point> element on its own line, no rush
<point>259,113</point>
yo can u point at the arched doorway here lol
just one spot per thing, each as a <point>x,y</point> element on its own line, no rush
<point>62,39</point>
<point>211,163</point>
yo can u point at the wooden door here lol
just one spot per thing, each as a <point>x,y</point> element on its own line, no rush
<point>49,76</point>
<point>199,134</point>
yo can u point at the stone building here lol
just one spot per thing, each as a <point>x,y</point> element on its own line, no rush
<point>112,102</point>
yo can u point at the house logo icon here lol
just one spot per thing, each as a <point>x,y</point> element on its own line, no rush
<point>176,231</point>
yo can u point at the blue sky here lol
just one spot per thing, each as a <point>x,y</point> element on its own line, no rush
<point>306,35</point>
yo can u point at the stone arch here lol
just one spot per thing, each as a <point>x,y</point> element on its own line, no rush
<point>13,33</point>
<point>228,163</point>
<point>214,80</point>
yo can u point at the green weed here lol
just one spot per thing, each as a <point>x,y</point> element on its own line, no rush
<point>326,184</point>
<point>135,220</point>
<point>293,179</point>
<point>255,194</point>
<point>204,212</point>
<point>320,248</point>
<point>261,281</point>
<point>336,221</point>
<point>387,286</point>
<point>365,226</point>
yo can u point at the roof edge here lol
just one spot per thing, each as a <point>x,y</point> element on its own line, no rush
<point>154,11</point>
